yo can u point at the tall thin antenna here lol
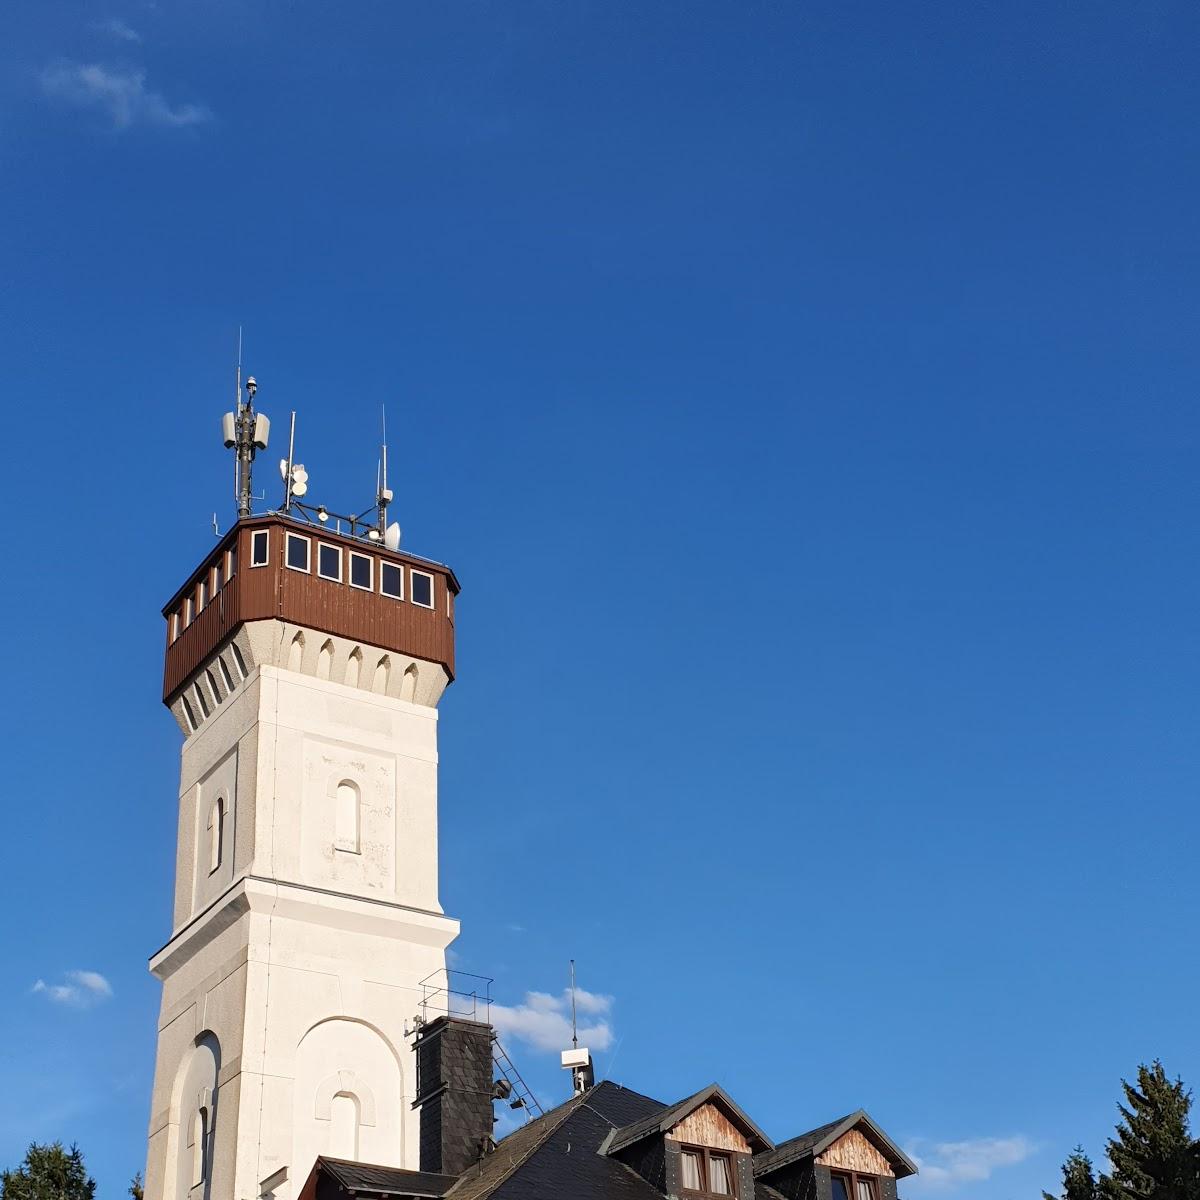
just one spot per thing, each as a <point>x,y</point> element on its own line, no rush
<point>574,1027</point>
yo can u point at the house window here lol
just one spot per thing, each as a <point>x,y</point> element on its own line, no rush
<point>853,1187</point>
<point>201,596</point>
<point>329,562</point>
<point>260,545</point>
<point>187,612</point>
<point>391,580</point>
<point>421,589</point>
<point>708,1172</point>
<point>230,563</point>
<point>360,571</point>
<point>216,579</point>
<point>174,626</point>
<point>297,552</point>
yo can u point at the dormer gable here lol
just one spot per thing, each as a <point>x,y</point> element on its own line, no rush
<point>848,1159</point>
<point>699,1148</point>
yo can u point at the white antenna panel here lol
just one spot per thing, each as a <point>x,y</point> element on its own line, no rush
<point>391,536</point>
<point>228,431</point>
<point>262,430</point>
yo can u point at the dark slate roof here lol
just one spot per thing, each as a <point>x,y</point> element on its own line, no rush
<point>664,1119</point>
<point>556,1155</point>
<point>818,1140</point>
<point>384,1181</point>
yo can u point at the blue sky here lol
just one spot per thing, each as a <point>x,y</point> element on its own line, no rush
<point>806,396</point>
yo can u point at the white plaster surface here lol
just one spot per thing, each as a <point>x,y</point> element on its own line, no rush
<point>294,966</point>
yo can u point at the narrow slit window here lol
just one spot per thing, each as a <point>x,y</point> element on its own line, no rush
<point>216,834</point>
<point>421,589</point>
<point>201,596</point>
<point>216,579</point>
<point>297,552</point>
<point>174,625</point>
<point>329,562</point>
<point>260,547</point>
<point>230,563</point>
<point>200,1148</point>
<point>391,580</point>
<point>361,571</point>
<point>346,817</point>
<point>187,612</point>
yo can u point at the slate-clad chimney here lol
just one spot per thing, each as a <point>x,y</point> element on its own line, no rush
<point>454,1093</point>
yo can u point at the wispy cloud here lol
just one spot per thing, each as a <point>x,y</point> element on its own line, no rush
<point>972,1161</point>
<point>82,989</point>
<point>120,93</point>
<point>114,27</point>
<point>543,1021</point>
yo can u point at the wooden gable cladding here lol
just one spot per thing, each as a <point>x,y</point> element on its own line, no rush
<point>708,1126</point>
<point>854,1152</point>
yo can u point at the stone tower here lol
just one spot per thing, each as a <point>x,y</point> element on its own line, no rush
<point>304,668</point>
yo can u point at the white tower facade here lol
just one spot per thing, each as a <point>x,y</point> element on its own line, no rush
<point>305,669</point>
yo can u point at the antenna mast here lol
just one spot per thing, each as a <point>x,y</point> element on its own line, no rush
<point>574,1027</point>
<point>244,432</point>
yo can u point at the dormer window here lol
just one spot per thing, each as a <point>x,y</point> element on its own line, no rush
<point>705,1172</point>
<point>853,1187</point>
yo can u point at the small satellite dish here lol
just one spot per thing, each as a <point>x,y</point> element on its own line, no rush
<point>391,536</point>
<point>374,535</point>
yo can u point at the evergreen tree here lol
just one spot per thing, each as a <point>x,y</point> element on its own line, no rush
<point>1079,1180</point>
<point>1153,1156</point>
<point>136,1187</point>
<point>48,1173</point>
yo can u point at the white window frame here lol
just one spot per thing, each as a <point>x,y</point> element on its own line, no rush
<point>338,551</point>
<point>432,589</point>
<point>266,533</point>
<point>399,571</point>
<point>370,558</point>
<point>287,545</point>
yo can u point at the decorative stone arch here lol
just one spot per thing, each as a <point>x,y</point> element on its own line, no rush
<point>354,667</point>
<point>325,659</point>
<point>383,668</point>
<point>344,1083</point>
<point>296,652</point>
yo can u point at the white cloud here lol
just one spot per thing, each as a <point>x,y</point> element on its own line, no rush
<point>83,989</point>
<point>116,28</point>
<point>543,1021</point>
<point>972,1161</point>
<point>122,94</point>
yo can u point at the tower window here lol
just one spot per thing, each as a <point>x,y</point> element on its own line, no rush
<point>260,547</point>
<point>200,1147</point>
<point>174,625</point>
<point>329,562</point>
<point>187,612</point>
<point>216,834</point>
<point>346,817</point>
<point>216,579</point>
<point>421,589</point>
<point>706,1172</point>
<point>391,580</point>
<point>297,552</point>
<point>201,596</point>
<point>230,563</point>
<point>361,571</point>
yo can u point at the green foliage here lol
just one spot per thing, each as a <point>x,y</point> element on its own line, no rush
<point>1079,1179</point>
<point>1153,1155</point>
<point>136,1187</point>
<point>48,1173</point>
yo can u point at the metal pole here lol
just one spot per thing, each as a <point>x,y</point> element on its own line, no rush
<point>574,1030</point>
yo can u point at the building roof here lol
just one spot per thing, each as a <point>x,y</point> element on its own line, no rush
<point>667,1118</point>
<point>817,1141</point>
<point>557,1154</point>
<point>364,1179</point>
